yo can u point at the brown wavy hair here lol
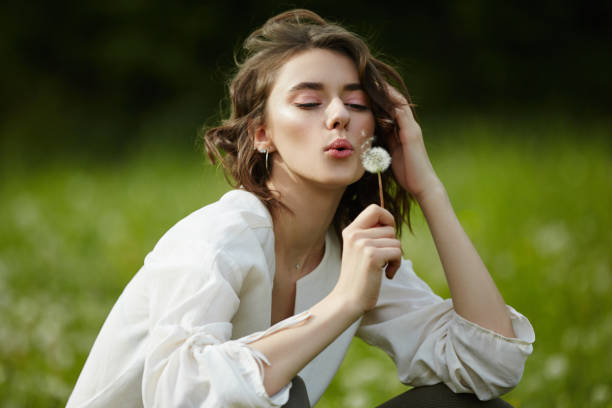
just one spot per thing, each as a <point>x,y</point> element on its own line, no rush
<point>264,53</point>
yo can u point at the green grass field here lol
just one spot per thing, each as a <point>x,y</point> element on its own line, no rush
<point>534,196</point>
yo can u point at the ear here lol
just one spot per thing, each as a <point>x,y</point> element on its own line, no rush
<point>262,139</point>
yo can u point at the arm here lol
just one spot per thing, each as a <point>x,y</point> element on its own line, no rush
<point>368,244</point>
<point>430,342</point>
<point>475,296</point>
<point>290,350</point>
<point>190,358</point>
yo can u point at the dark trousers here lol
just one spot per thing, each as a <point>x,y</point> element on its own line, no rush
<point>433,396</point>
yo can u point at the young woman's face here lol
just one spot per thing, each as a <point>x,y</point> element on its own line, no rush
<point>317,119</point>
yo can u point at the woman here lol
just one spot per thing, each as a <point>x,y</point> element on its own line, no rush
<point>275,278</point>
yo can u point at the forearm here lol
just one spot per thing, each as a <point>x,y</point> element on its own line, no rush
<point>475,296</point>
<point>291,349</point>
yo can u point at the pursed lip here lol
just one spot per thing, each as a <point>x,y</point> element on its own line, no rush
<point>340,144</point>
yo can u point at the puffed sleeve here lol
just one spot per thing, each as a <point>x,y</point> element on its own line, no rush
<point>190,360</point>
<point>430,343</point>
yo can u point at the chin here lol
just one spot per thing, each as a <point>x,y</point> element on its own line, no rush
<point>342,180</point>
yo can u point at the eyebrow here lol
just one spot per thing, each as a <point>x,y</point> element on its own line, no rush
<point>318,86</point>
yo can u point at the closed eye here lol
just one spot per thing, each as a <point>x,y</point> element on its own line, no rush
<point>307,105</point>
<point>357,106</point>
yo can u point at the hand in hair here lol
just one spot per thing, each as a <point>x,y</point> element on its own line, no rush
<point>410,162</point>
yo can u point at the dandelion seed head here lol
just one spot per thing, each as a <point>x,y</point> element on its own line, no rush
<point>376,160</point>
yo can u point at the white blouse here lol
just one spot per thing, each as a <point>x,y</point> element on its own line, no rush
<point>179,333</point>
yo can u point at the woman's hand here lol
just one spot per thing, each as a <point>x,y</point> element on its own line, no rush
<point>369,245</point>
<point>409,159</point>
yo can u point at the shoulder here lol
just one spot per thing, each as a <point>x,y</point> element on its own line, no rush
<point>237,220</point>
<point>235,212</point>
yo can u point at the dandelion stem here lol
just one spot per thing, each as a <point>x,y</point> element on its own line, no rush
<point>382,201</point>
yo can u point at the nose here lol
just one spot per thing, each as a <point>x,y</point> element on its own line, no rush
<point>338,117</point>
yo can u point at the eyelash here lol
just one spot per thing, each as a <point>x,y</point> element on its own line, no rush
<point>307,105</point>
<point>315,104</point>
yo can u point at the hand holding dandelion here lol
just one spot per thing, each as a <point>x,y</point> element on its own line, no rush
<point>376,160</point>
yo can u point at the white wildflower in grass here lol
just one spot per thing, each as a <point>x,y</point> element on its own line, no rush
<point>375,160</point>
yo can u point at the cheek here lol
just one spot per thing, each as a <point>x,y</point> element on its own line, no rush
<point>366,120</point>
<point>287,118</point>
<point>289,128</point>
<point>367,126</point>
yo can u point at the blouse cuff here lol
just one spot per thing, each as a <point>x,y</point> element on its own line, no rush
<point>525,335</point>
<point>498,360</point>
<point>255,377</point>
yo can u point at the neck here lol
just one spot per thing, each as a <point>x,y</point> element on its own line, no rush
<point>299,230</point>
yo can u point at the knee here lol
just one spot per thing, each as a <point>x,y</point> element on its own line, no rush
<point>298,395</point>
<point>440,395</point>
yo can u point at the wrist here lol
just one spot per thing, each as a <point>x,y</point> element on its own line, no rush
<point>434,191</point>
<point>343,307</point>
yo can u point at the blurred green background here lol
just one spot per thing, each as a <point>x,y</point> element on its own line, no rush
<point>101,106</point>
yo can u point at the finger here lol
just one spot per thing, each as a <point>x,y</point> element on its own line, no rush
<point>404,117</point>
<point>396,96</point>
<point>373,216</point>
<point>392,269</point>
<point>387,256</point>
<point>402,112</point>
<point>375,233</point>
<point>385,243</point>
